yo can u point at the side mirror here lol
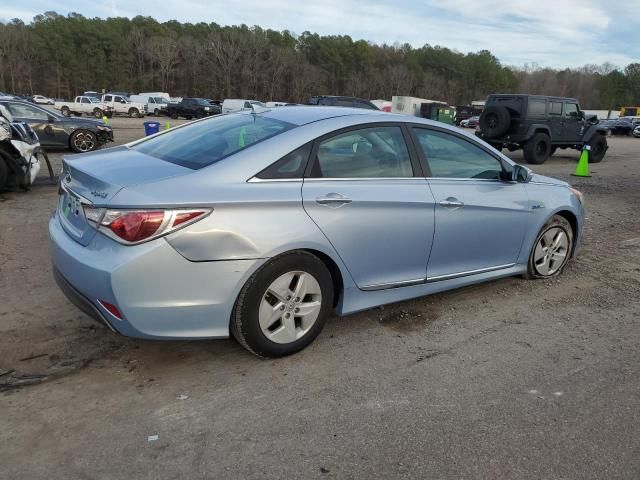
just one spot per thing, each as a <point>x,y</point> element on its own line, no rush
<point>521,174</point>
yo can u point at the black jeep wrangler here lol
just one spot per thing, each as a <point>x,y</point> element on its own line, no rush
<point>540,125</point>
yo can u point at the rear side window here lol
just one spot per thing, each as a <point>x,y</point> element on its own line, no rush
<point>555,108</point>
<point>449,156</point>
<point>291,165</point>
<point>365,153</point>
<point>204,143</point>
<point>537,108</point>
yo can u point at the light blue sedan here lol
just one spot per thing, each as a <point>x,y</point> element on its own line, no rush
<point>260,225</point>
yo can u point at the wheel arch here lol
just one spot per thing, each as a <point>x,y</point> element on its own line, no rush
<point>334,270</point>
<point>570,217</point>
<point>538,128</point>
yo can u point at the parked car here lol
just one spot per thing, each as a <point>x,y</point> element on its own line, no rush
<point>191,108</point>
<point>336,101</point>
<point>231,105</point>
<point>208,228</point>
<point>155,105</point>
<point>57,131</point>
<point>121,104</point>
<point>539,125</point>
<point>471,122</point>
<point>84,104</point>
<point>622,126</point>
<point>216,106</point>
<point>42,100</point>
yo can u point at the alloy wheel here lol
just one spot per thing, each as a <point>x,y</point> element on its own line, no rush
<point>83,142</point>
<point>290,307</point>
<point>551,251</point>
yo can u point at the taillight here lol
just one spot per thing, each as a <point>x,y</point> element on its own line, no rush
<point>137,226</point>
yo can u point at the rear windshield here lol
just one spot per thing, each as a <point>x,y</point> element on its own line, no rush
<point>209,141</point>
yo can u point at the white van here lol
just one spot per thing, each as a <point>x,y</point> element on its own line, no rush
<point>155,104</point>
<point>279,104</point>
<point>231,105</point>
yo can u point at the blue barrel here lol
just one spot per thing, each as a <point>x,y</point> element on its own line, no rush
<point>151,127</point>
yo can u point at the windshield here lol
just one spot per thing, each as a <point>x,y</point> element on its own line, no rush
<point>206,142</point>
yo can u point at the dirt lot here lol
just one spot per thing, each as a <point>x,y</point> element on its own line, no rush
<point>510,379</point>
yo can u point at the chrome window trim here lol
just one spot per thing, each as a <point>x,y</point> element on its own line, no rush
<point>342,179</point>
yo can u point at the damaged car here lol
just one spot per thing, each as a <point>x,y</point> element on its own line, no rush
<point>20,152</point>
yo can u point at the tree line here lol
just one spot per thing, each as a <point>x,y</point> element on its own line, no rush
<point>61,56</point>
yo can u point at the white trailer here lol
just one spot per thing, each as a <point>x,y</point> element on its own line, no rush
<point>409,105</point>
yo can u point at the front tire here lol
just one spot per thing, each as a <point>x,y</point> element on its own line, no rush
<point>599,147</point>
<point>552,249</point>
<point>83,141</point>
<point>283,306</point>
<point>537,149</point>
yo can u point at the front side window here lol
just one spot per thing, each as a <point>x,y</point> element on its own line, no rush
<point>204,143</point>
<point>84,100</point>
<point>365,153</point>
<point>570,110</point>
<point>21,110</point>
<point>108,98</point>
<point>449,156</point>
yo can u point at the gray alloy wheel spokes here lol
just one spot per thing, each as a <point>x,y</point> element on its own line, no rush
<point>551,251</point>
<point>83,142</point>
<point>290,307</point>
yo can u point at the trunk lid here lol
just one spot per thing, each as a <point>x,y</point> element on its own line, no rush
<point>95,178</point>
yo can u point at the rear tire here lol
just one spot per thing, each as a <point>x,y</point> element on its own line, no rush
<point>599,147</point>
<point>134,112</point>
<point>494,121</point>
<point>174,116</point>
<point>551,250</point>
<point>537,149</point>
<point>97,113</point>
<point>264,319</point>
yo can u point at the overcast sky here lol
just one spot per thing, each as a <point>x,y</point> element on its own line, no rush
<point>555,33</point>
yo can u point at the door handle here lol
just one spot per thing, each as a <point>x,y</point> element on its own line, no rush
<point>333,199</point>
<point>451,202</point>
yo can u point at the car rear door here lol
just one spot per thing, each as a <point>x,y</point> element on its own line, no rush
<point>362,192</point>
<point>556,120</point>
<point>480,220</point>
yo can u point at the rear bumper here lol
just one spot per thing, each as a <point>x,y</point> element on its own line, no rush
<point>79,300</point>
<point>160,294</point>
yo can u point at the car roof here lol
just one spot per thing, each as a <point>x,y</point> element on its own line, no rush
<point>303,114</point>
<point>550,97</point>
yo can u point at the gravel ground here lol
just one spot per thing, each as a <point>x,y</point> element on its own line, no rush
<point>510,379</point>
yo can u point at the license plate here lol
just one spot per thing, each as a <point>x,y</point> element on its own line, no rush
<point>70,205</point>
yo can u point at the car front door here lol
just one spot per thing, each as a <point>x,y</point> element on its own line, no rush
<point>361,191</point>
<point>480,220</point>
<point>572,123</point>
<point>50,133</point>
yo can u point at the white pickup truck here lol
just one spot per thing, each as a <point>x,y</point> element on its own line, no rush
<point>83,104</point>
<point>122,104</point>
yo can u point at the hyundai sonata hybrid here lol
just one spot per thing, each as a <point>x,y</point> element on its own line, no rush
<point>259,225</point>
